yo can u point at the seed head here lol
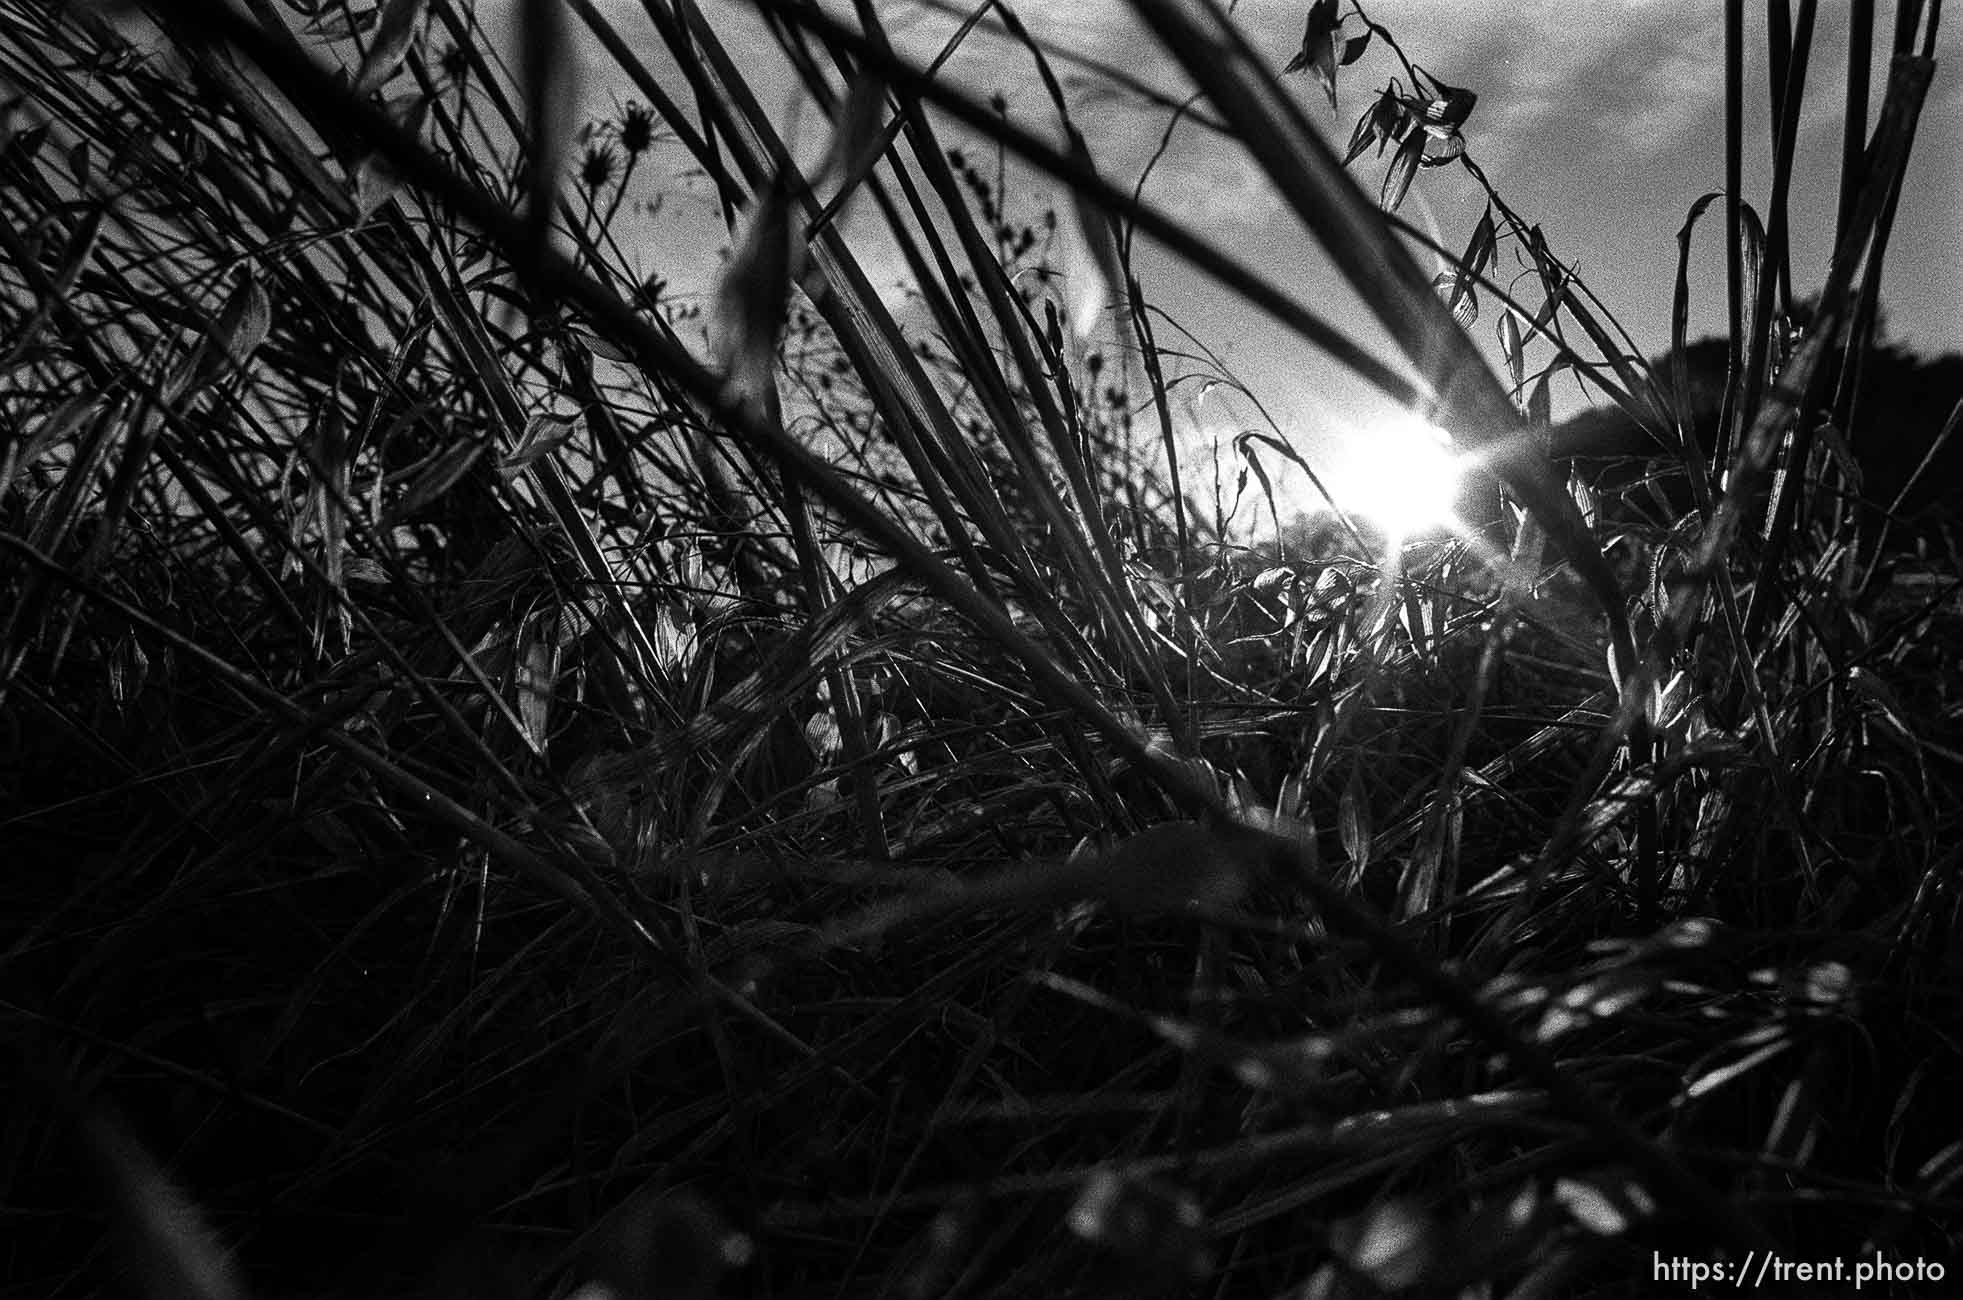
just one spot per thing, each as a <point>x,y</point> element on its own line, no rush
<point>596,169</point>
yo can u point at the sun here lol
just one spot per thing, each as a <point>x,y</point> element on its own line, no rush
<point>1402,473</point>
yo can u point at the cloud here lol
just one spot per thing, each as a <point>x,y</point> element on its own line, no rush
<point>1636,85</point>
<point>1197,177</point>
<point>1219,187</point>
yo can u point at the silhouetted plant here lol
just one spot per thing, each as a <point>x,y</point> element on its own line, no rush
<point>526,777</point>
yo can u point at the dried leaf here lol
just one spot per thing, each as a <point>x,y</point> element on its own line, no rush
<point>1364,135</point>
<point>1417,621</point>
<point>1323,62</point>
<point>1479,252</point>
<point>671,635</point>
<point>543,435</point>
<point>1387,120</point>
<point>1447,113</point>
<point>375,181</point>
<point>129,667</point>
<point>400,19</point>
<point>1353,820</point>
<point>1441,149</point>
<point>858,140</point>
<point>329,490</point>
<point>365,571</point>
<point>532,680</point>
<point>822,734</point>
<point>601,346</point>
<point>1294,795</point>
<point>1094,287</point>
<point>1458,294</point>
<point>1319,655</point>
<point>1511,349</point>
<point>1554,280</point>
<point>755,290</point>
<point>1584,498</point>
<point>244,321</point>
<point>1318,52</point>
<point>1397,180</point>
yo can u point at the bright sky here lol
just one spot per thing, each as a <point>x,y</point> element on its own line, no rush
<point>1602,121</point>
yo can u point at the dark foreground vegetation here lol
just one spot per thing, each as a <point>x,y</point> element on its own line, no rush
<point>1902,466</point>
<point>498,797</point>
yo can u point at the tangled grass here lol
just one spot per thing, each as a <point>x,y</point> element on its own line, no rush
<point>505,798</point>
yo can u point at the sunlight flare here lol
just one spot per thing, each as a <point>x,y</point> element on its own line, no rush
<point>1403,474</point>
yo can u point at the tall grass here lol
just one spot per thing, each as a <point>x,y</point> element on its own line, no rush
<point>525,781</point>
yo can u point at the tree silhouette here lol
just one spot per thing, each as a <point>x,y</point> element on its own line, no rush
<point>1901,402</point>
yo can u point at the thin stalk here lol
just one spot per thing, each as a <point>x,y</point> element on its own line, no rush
<point>1734,223</point>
